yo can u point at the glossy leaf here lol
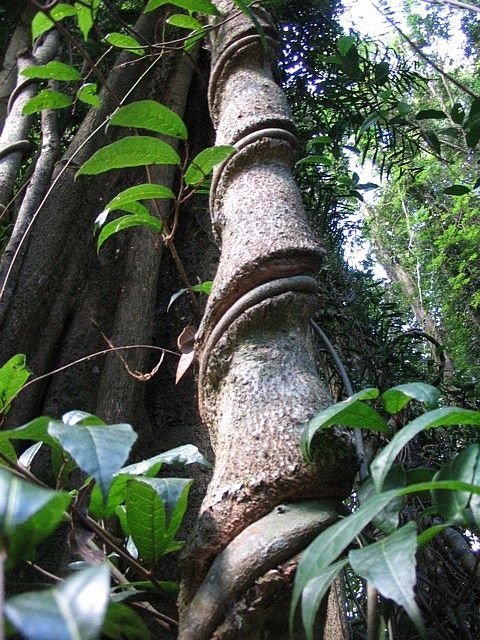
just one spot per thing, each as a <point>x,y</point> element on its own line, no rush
<point>397,398</point>
<point>327,547</point>
<point>46,99</point>
<point>123,41</point>
<point>131,151</point>
<point>100,451</point>
<point>123,623</point>
<point>314,592</point>
<point>36,430</point>
<point>466,468</point>
<point>155,508</point>
<point>42,23</point>
<point>351,412</point>
<point>13,375</point>
<point>151,115</point>
<point>447,416</point>
<point>456,190</point>
<point>127,222</point>
<point>144,191</point>
<point>390,566</point>
<point>88,93</point>
<point>86,12</point>
<point>201,6</point>
<point>53,70</point>
<point>204,162</point>
<point>430,114</point>
<point>72,611</point>
<point>185,22</point>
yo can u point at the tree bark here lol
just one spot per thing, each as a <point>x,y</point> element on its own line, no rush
<point>258,385</point>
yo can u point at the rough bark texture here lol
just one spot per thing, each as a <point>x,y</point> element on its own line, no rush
<point>257,382</point>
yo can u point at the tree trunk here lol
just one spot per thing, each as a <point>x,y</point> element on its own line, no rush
<point>257,380</point>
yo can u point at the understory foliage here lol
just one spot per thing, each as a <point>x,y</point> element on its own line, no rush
<point>352,98</point>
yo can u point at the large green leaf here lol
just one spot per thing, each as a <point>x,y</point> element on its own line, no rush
<point>390,566</point>
<point>46,99</point>
<point>456,190</point>
<point>36,430</point>
<point>430,114</point>
<point>13,375</point>
<point>122,623</point>
<point>185,22</point>
<point>86,11</point>
<point>88,93</point>
<point>124,41</point>
<point>155,508</point>
<point>151,115</point>
<point>127,222</point>
<point>186,454</point>
<point>315,591</point>
<point>99,450</point>
<point>131,151</point>
<point>201,6</point>
<point>204,162</point>
<point>144,191</point>
<point>447,416</point>
<point>388,519</point>
<point>41,22</point>
<point>397,398</point>
<point>53,70</point>
<point>326,547</point>
<point>352,412</point>
<point>465,467</point>
<point>73,611</point>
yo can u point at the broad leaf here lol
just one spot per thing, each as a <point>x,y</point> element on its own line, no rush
<point>127,222</point>
<point>185,22</point>
<point>100,451</point>
<point>447,416</point>
<point>46,99</point>
<point>42,23</point>
<point>204,162</point>
<point>431,114</point>
<point>466,468</point>
<point>457,190</point>
<point>314,592</point>
<point>122,623</point>
<point>13,375</point>
<point>131,151</point>
<point>348,413</point>
<point>201,6</point>
<point>390,566</point>
<point>35,430</point>
<point>53,70</point>
<point>73,611</point>
<point>123,41</point>
<point>151,115</point>
<point>457,113</point>
<point>88,93</point>
<point>139,192</point>
<point>388,519</point>
<point>155,508</point>
<point>397,398</point>
<point>344,44</point>
<point>86,11</point>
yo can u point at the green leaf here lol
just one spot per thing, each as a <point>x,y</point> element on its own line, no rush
<point>202,287</point>
<point>430,114</point>
<point>28,514</point>
<point>381,71</point>
<point>41,22</point>
<point>390,566</point>
<point>457,113</point>
<point>53,71</point>
<point>131,151</point>
<point>351,412</point>
<point>46,99</point>
<point>326,547</point>
<point>204,162</point>
<point>344,44</point>
<point>123,41</point>
<point>151,115</point>
<point>122,623</point>
<point>35,430</point>
<point>86,12</point>
<point>397,398</point>
<point>314,592</point>
<point>145,191</point>
<point>432,140</point>
<point>186,454</point>
<point>465,467</point>
<point>472,136</point>
<point>127,222</point>
<point>72,611</point>
<point>388,519</point>
<point>100,450</point>
<point>201,6</point>
<point>456,190</point>
<point>13,375</point>
<point>88,93</point>
<point>403,108</point>
<point>447,416</point>
<point>185,22</point>
<point>155,508</point>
